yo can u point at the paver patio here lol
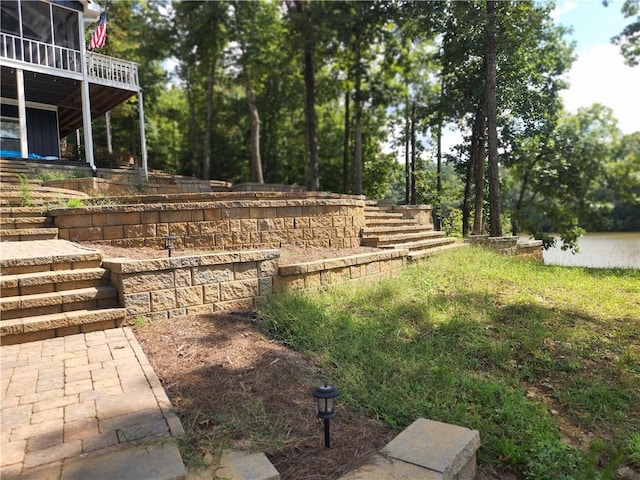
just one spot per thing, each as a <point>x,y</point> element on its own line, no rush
<point>79,406</point>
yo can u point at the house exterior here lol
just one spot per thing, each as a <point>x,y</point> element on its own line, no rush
<point>50,85</point>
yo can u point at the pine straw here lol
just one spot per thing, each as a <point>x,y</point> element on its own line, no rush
<point>234,387</point>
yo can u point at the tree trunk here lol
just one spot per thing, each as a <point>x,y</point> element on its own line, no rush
<point>357,156</point>
<point>438,212</point>
<point>466,201</point>
<point>345,149</point>
<point>310,110</point>
<point>407,153</point>
<point>477,158</point>
<point>194,128</point>
<point>414,199</point>
<point>206,157</point>
<point>256,162</point>
<point>495,226</point>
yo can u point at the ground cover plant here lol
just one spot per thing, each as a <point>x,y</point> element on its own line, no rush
<point>544,361</point>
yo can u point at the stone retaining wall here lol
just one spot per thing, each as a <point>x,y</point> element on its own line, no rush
<point>321,273</point>
<point>200,284</point>
<point>193,285</point>
<point>531,249</point>
<point>244,224</point>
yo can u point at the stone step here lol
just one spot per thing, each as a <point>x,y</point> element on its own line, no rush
<point>236,465</point>
<point>422,244</point>
<point>52,281</point>
<point>18,177</point>
<point>389,222</point>
<point>46,255</point>
<point>382,214</point>
<point>24,306</point>
<point>36,195</point>
<point>17,212</point>
<point>40,327</point>
<point>426,450</point>
<point>416,255</point>
<point>25,234</point>
<point>384,240</point>
<point>8,223</point>
<point>395,229</point>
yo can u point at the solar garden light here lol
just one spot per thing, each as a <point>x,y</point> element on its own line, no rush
<point>325,395</point>
<point>168,243</point>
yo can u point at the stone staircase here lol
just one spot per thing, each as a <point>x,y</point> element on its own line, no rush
<point>19,188</point>
<point>53,288</point>
<point>25,223</point>
<point>386,228</point>
<point>48,287</point>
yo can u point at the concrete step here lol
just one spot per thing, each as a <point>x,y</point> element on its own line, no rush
<point>416,255</point>
<point>45,255</point>
<point>40,327</point>
<point>26,234</point>
<point>52,281</point>
<point>422,244</point>
<point>384,240</point>
<point>8,223</point>
<point>92,298</point>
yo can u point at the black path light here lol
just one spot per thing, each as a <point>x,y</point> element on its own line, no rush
<point>168,243</point>
<point>325,395</point>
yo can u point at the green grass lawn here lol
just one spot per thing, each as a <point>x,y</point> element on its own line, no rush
<point>544,361</point>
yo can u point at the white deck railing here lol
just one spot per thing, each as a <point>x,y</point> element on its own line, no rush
<point>112,71</point>
<point>100,68</point>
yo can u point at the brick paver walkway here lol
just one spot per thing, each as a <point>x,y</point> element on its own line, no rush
<point>73,406</point>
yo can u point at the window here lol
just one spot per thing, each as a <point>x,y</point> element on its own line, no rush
<point>65,28</point>
<point>9,134</point>
<point>39,25</point>
<point>10,21</point>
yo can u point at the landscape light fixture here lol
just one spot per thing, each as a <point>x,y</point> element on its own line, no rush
<point>168,243</point>
<point>325,395</point>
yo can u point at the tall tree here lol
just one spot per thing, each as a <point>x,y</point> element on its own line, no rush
<point>495,223</point>
<point>304,26</point>
<point>629,38</point>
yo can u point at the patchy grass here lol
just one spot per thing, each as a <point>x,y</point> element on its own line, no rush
<point>544,361</point>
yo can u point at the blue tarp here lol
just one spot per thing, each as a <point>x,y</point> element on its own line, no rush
<point>32,156</point>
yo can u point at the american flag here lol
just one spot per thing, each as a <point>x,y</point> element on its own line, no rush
<point>99,35</point>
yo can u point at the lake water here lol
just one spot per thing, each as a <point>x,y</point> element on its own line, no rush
<point>599,250</point>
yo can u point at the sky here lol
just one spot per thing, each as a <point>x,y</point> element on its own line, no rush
<point>599,74</point>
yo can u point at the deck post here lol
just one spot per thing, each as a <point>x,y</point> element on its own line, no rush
<point>22,114</point>
<point>143,141</point>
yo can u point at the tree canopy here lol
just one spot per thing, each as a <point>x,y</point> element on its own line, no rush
<point>353,96</point>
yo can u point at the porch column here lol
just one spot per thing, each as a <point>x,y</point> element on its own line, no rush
<point>107,123</point>
<point>143,140</point>
<point>22,114</point>
<point>86,100</point>
<point>86,121</point>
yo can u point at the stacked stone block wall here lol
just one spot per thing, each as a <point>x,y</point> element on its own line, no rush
<point>241,224</point>
<point>322,273</point>
<point>194,285</point>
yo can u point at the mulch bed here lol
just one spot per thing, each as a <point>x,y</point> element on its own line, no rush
<point>218,367</point>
